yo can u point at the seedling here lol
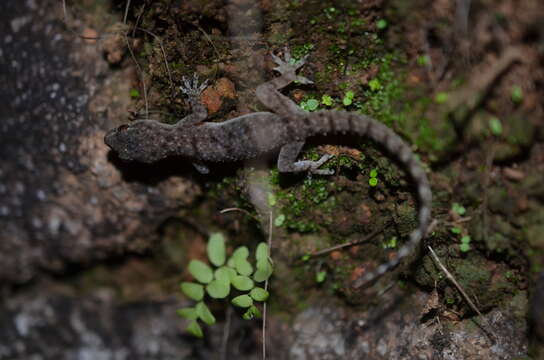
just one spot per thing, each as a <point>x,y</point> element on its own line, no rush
<point>381,24</point>
<point>373,180</point>
<point>320,276</point>
<point>516,94</point>
<point>465,243</point>
<point>327,100</point>
<point>236,272</point>
<point>495,126</point>
<point>348,98</point>
<point>458,209</point>
<point>309,105</point>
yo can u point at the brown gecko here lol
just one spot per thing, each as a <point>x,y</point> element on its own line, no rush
<point>285,130</point>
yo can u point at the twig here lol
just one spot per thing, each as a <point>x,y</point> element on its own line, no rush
<point>209,40</point>
<point>452,279</point>
<point>141,75</point>
<point>460,289</point>
<point>64,10</point>
<point>226,334</point>
<point>266,282</point>
<point>238,209</point>
<point>351,243</point>
<point>163,54</point>
<point>126,12</point>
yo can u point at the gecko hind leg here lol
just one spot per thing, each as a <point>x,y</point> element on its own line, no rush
<point>193,89</point>
<point>288,156</point>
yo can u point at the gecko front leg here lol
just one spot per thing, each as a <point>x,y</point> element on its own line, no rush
<point>193,89</point>
<point>269,93</point>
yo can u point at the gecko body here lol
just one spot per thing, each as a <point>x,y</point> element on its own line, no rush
<point>283,130</point>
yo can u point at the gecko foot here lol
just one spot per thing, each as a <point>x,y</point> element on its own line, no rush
<point>313,166</point>
<point>191,87</point>
<point>288,67</point>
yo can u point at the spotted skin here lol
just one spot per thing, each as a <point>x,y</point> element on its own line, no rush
<point>284,130</point>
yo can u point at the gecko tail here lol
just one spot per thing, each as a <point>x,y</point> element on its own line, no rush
<point>395,145</point>
<point>366,126</point>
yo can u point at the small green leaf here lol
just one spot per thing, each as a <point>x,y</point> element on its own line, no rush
<point>306,257</point>
<point>243,267</point>
<point>264,270</point>
<point>495,126</point>
<point>240,253</point>
<point>134,93</point>
<point>455,230</point>
<point>423,60</point>
<point>187,313</point>
<point>327,100</point>
<point>348,98</point>
<point>204,313</point>
<point>195,329</point>
<point>242,283</point>
<point>441,97</point>
<point>466,239</point>
<point>243,301</point>
<point>374,84</point>
<point>516,94</point>
<point>262,252</point>
<point>218,289</point>
<point>381,24</point>
<point>458,209</point>
<point>312,104</point>
<point>251,313</point>
<point>201,271</point>
<point>373,173</point>
<point>271,199</point>
<point>464,247</point>
<point>259,294</point>
<point>216,249</point>
<point>391,244</point>
<point>279,220</point>
<point>192,290</point>
<point>224,274</point>
<point>373,181</point>
<point>321,276</point>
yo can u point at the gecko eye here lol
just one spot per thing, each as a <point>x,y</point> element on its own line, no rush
<point>122,128</point>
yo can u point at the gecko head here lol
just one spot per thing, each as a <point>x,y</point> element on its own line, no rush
<point>138,141</point>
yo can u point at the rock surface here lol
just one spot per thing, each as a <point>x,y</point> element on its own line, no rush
<point>62,200</point>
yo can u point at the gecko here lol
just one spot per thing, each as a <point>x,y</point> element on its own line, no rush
<point>283,130</point>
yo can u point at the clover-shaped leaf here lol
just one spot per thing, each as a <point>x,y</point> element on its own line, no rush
<point>259,294</point>
<point>194,329</point>
<point>242,301</point>
<point>264,270</point>
<point>225,274</point>
<point>243,267</point>
<point>242,283</point>
<point>192,290</point>
<point>201,271</point>
<point>262,252</point>
<point>216,249</point>
<point>239,254</point>
<point>187,313</point>
<point>204,313</point>
<point>252,312</point>
<point>218,289</point>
